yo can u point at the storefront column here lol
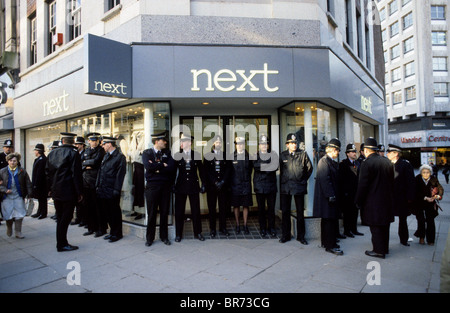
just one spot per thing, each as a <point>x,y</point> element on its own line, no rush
<point>345,130</point>
<point>309,148</point>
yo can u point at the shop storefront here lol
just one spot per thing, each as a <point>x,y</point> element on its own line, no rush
<point>229,90</point>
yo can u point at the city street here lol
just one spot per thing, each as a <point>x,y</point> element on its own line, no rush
<point>33,265</point>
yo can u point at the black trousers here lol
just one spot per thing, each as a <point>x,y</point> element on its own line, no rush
<point>92,212</point>
<point>180,209</point>
<point>113,212</point>
<point>43,206</point>
<point>266,219</point>
<point>350,217</point>
<point>157,196</point>
<point>403,232</point>
<point>64,214</point>
<point>212,197</point>
<point>426,227</point>
<point>329,227</point>
<point>380,238</point>
<point>285,202</point>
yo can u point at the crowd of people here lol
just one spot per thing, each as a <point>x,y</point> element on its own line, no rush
<point>377,184</point>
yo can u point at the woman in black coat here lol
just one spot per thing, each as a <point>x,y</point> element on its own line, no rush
<point>425,209</point>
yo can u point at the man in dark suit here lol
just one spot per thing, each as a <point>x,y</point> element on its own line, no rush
<point>348,183</point>
<point>375,197</point>
<point>326,204</point>
<point>63,171</point>
<point>39,182</point>
<point>91,162</point>
<point>217,176</point>
<point>295,170</point>
<point>404,188</point>
<point>109,186</point>
<point>159,174</point>
<point>190,166</point>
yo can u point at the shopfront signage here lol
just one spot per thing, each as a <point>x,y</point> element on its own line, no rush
<point>56,105</point>
<point>366,104</point>
<point>411,140</point>
<point>225,76</point>
<point>113,89</point>
<point>430,138</point>
<point>438,139</point>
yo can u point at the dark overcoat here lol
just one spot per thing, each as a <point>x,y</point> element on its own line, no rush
<point>111,175</point>
<point>241,174</point>
<point>190,171</point>
<point>326,186</point>
<point>294,172</point>
<point>348,182</point>
<point>423,190</point>
<point>39,180</point>
<point>404,188</point>
<point>91,161</point>
<point>375,191</point>
<point>217,171</point>
<point>264,175</point>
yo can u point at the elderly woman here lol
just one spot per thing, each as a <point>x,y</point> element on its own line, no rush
<point>428,190</point>
<point>15,187</point>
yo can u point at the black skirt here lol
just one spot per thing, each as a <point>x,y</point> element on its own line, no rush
<point>241,200</point>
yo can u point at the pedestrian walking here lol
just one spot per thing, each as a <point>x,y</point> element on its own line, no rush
<point>265,186</point>
<point>348,184</point>
<point>375,197</point>
<point>39,182</point>
<point>64,175</point>
<point>91,162</point>
<point>428,191</point>
<point>295,170</point>
<point>404,188</point>
<point>241,184</point>
<point>326,196</point>
<point>217,181</point>
<point>15,187</point>
<point>446,171</point>
<point>159,174</point>
<point>190,167</point>
<point>109,186</point>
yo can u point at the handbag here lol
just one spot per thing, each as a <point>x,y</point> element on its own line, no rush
<point>29,205</point>
<point>437,207</point>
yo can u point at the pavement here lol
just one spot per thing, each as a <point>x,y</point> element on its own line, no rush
<point>238,266</point>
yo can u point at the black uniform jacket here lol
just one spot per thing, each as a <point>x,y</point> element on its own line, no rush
<point>92,158</point>
<point>63,172</point>
<point>264,176</point>
<point>155,171</point>
<point>404,188</point>
<point>39,179</point>
<point>189,169</point>
<point>348,182</point>
<point>375,190</point>
<point>217,171</point>
<point>241,174</point>
<point>3,162</point>
<point>295,172</point>
<point>326,187</point>
<point>111,175</point>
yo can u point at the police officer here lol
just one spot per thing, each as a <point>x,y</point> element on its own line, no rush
<point>80,208</point>
<point>326,204</point>
<point>190,166</point>
<point>265,186</point>
<point>348,183</point>
<point>63,171</point>
<point>295,170</point>
<point>39,182</point>
<point>375,197</point>
<point>381,150</point>
<point>7,149</point>
<point>404,187</point>
<point>362,156</point>
<point>91,162</point>
<point>217,176</point>
<point>109,186</point>
<point>159,174</point>
<point>241,183</point>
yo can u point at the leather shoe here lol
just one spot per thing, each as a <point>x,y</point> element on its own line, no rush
<point>148,243</point>
<point>200,237</point>
<point>357,233</point>
<point>225,232</point>
<point>166,242</point>
<point>246,230</point>
<point>340,236</point>
<point>349,234</point>
<point>42,217</point>
<point>213,234</point>
<point>99,234</point>
<point>283,240</point>
<point>238,230</point>
<point>107,237</point>
<point>88,233</point>
<point>114,238</point>
<point>263,233</point>
<point>67,248</point>
<point>406,244</point>
<point>177,239</point>
<point>303,241</point>
<point>273,233</point>
<point>35,215</point>
<point>375,255</point>
<point>335,251</point>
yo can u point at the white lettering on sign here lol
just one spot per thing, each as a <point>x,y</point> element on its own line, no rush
<point>366,104</point>
<point>227,76</point>
<point>56,105</point>
<point>110,88</point>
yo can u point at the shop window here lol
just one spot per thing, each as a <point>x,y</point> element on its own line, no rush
<point>361,131</point>
<point>314,124</point>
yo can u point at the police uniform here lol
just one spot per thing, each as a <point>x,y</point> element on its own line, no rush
<point>375,197</point>
<point>190,166</point>
<point>65,183</point>
<point>159,175</point>
<point>91,162</point>
<point>3,162</point>
<point>217,180</point>
<point>295,170</point>
<point>39,182</point>
<point>265,186</point>
<point>80,208</point>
